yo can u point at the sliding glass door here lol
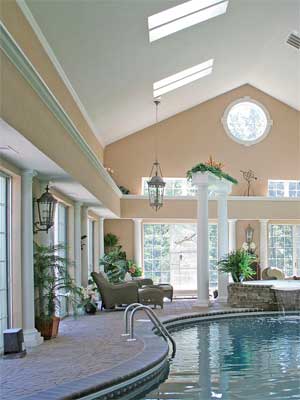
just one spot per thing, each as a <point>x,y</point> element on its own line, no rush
<point>170,255</point>
<point>60,238</point>
<point>4,254</point>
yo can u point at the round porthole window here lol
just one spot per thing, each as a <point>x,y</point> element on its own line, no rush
<point>247,121</point>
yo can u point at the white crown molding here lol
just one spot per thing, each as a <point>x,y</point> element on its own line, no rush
<point>24,66</point>
<point>37,30</point>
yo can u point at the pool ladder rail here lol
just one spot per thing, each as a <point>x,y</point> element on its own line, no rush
<point>129,324</point>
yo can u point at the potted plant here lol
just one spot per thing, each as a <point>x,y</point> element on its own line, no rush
<point>237,263</point>
<point>52,282</point>
<point>88,299</point>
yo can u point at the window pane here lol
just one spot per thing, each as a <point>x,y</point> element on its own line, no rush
<point>281,244</point>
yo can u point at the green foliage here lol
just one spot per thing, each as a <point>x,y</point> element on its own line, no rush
<point>133,269</point>
<point>124,190</point>
<point>201,167</point>
<point>51,280</point>
<point>238,264</point>
<point>111,242</point>
<point>115,265</point>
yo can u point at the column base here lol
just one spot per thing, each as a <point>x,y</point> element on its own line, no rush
<point>202,303</point>
<point>32,338</point>
<point>222,299</point>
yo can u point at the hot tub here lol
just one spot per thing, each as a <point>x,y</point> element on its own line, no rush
<point>270,295</point>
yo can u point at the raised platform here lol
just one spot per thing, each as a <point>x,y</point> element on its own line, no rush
<point>266,295</point>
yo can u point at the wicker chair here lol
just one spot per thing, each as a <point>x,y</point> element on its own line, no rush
<point>112,295</point>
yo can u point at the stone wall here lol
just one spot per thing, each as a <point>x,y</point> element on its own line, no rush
<point>252,296</point>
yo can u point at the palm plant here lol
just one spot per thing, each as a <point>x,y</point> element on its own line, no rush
<point>52,283</point>
<point>238,264</point>
<point>111,242</point>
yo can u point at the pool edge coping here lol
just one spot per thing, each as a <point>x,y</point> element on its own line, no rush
<point>146,366</point>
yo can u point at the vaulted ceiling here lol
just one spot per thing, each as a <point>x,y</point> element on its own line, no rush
<point>103,48</point>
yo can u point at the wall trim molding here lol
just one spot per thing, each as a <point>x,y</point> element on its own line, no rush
<point>15,54</point>
<point>41,37</point>
<point>230,198</point>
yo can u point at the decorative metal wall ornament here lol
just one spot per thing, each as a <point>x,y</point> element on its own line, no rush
<point>46,211</point>
<point>156,184</point>
<point>249,177</point>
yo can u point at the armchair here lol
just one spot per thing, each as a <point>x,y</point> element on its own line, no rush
<point>112,295</point>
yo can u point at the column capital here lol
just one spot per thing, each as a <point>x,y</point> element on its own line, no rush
<point>77,204</point>
<point>29,172</point>
<point>232,220</point>
<point>137,220</point>
<point>263,221</point>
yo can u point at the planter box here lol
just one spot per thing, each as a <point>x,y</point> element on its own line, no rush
<point>48,328</point>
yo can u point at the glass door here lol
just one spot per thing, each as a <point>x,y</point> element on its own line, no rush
<point>170,255</point>
<point>4,254</point>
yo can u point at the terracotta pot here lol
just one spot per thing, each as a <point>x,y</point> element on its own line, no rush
<point>48,328</point>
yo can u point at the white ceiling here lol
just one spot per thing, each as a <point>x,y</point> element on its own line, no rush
<point>104,51</point>
<point>24,155</point>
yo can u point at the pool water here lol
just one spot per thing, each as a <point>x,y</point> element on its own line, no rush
<point>253,358</point>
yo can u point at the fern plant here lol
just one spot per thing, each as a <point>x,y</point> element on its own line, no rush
<point>238,264</point>
<point>51,281</point>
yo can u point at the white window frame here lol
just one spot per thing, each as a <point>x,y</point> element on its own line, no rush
<point>286,187</point>
<point>8,227</point>
<point>184,189</point>
<point>295,260</point>
<point>91,246</point>
<point>241,141</point>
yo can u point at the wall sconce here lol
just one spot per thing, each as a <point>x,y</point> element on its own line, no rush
<point>249,234</point>
<point>46,211</point>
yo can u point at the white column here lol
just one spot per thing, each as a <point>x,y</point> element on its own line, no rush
<point>201,181</point>
<point>232,234</point>
<point>77,242</point>
<point>85,247</point>
<point>138,241</point>
<point>223,279</point>
<point>31,335</point>
<point>101,237</point>
<point>263,244</point>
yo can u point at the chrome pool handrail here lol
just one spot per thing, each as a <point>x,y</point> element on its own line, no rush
<point>128,308</point>
<point>156,322</point>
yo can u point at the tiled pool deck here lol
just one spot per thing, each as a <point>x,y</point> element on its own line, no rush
<point>85,347</point>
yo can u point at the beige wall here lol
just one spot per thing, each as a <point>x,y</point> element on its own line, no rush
<point>124,229</point>
<point>193,135</point>
<point>23,34</point>
<point>36,123</point>
<point>241,236</point>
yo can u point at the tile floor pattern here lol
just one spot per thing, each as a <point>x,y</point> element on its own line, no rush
<point>86,345</point>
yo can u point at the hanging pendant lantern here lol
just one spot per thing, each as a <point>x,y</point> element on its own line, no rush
<point>156,184</point>
<point>46,205</point>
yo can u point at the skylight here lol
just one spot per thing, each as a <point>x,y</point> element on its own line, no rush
<point>183,16</point>
<point>182,78</point>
